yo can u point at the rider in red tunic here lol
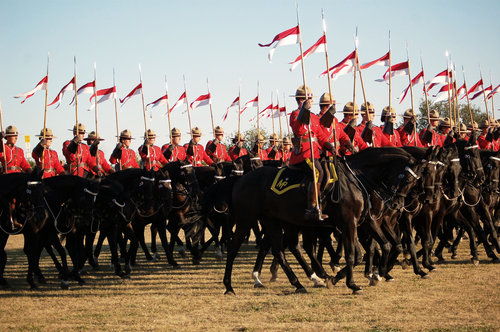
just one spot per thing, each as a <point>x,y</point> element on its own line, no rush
<point>173,151</point>
<point>103,168</point>
<point>123,156</point>
<point>445,128</point>
<point>372,135</point>
<point>259,146</point>
<point>151,155</point>
<point>76,152</point>
<point>484,140</point>
<point>237,150</point>
<point>408,130</point>
<point>287,149</point>
<point>51,164</point>
<point>352,142</point>
<point>303,122</point>
<point>429,136</point>
<point>196,155</point>
<point>389,136</point>
<point>13,156</point>
<point>215,149</point>
<point>273,152</point>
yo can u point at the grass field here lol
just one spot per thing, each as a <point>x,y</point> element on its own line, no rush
<point>458,297</point>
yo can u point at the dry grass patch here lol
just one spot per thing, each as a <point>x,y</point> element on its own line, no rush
<point>458,296</point>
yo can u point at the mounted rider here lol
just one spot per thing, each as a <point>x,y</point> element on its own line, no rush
<point>258,148</point>
<point>237,150</point>
<point>354,143</point>
<point>287,149</point>
<point>274,151</point>
<point>173,151</point>
<point>97,169</point>
<point>51,165</point>
<point>215,149</point>
<point>428,136</point>
<point>302,155</point>
<point>76,152</point>
<point>151,155</point>
<point>123,156</point>
<point>446,136</point>
<point>369,133</point>
<point>12,156</point>
<point>389,136</point>
<point>196,155</point>
<point>408,130</point>
<point>486,138</point>
<point>330,123</point>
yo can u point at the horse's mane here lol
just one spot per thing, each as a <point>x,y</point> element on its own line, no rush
<point>375,157</point>
<point>125,174</point>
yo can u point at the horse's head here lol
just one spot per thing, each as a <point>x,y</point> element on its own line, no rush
<point>111,200</point>
<point>406,180</point>
<point>470,160</point>
<point>491,162</point>
<point>143,196</point>
<point>448,175</point>
<point>429,172</point>
<point>184,180</point>
<point>163,190</point>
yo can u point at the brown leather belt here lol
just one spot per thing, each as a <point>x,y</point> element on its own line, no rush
<point>48,170</point>
<point>14,168</point>
<point>306,139</point>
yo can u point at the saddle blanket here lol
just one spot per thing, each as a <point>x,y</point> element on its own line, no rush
<point>288,179</point>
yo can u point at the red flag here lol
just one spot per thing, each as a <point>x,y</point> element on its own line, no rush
<point>486,91</point>
<point>343,67</point>
<point>67,87</point>
<point>179,102</point>
<point>443,93</point>
<point>399,69</point>
<point>202,100</point>
<point>42,85</point>
<point>252,103</point>
<point>288,37</point>
<point>440,78</point>
<point>234,103</point>
<point>461,91</point>
<point>476,87</point>
<point>318,47</point>
<point>493,92</point>
<point>416,80</point>
<point>86,88</point>
<point>106,94</point>
<point>135,91</point>
<point>160,101</point>
<point>382,61</point>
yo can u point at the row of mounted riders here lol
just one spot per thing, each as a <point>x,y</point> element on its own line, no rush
<point>381,196</point>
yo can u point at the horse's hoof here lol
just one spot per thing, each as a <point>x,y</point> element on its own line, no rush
<point>432,269</point>
<point>389,279</point>
<point>373,281</point>
<point>425,276</point>
<point>196,261</point>
<point>229,292</point>
<point>41,280</point>
<point>258,285</point>
<point>176,266</point>
<point>475,261</point>
<point>404,264</point>
<point>357,292</point>
<point>81,282</point>
<point>335,268</point>
<point>124,275</point>
<point>495,260</point>
<point>64,284</point>
<point>273,278</point>
<point>301,290</point>
<point>96,267</point>
<point>182,252</point>
<point>33,287</point>
<point>156,257</point>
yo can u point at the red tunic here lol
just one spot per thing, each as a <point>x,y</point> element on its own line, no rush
<point>340,135</point>
<point>77,160</point>
<point>356,142</point>
<point>128,159</point>
<point>51,164</point>
<point>153,159</point>
<point>263,154</point>
<point>199,157</point>
<point>496,145</point>
<point>220,153</point>
<point>179,153</point>
<point>14,156</point>
<point>286,156</point>
<point>483,143</point>
<point>375,137</point>
<point>409,140</point>
<point>235,156</point>
<point>435,138</point>
<point>104,167</point>
<point>319,135</point>
<point>389,140</point>
<point>277,156</point>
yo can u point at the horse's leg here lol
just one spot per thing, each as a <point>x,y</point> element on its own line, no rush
<point>3,260</point>
<point>471,215</point>
<point>139,229</point>
<point>489,227</point>
<point>309,238</point>
<point>335,257</point>
<point>89,247</point>
<point>349,240</point>
<point>97,250</point>
<point>410,244</point>
<point>161,228</point>
<point>30,244</point>
<point>56,243</point>
<point>112,236</point>
<point>48,249</point>
<point>257,269</point>
<point>154,231</point>
<point>128,232</point>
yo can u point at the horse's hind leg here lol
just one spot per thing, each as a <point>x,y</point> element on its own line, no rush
<point>56,243</point>
<point>233,246</point>
<point>162,232</point>
<point>257,269</point>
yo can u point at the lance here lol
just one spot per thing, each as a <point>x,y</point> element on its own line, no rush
<point>448,80</point>
<point>355,74</point>
<point>492,103</point>
<point>76,125</point>
<point>189,118</point>
<point>411,91</point>
<point>468,100</point>
<point>143,109</point>
<point>455,98</point>
<point>356,43</point>
<point>258,120</point>
<point>315,181</point>
<point>332,126</point>
<point>168,111</point>
<point>425,91</point>
<point>239,111</point>
<point>3,143</point>
<point>211,112</point>
<point>45,112</point>
<point>286,119</point>
<point>484,96</point>
<point>279,115</point>
<point>272,112</point>
<point>95,115</point>
<point>390,81</point>
<point>116,120</point>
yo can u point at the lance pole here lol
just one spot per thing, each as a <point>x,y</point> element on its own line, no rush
<point>258,116</point>
<point>332,126</point>
<point>448,80</point>
<point>3,143</point>
<point>484,97</point>
<point>492,103</point>
<point>361,75</point>
<point>116,120</point>
<point>95,114</point>
<point>239,109</point>
<point>315,181</point>
<point>279,115</point>
<point>355,74</point>
<point>390,80</point>
<point>45,112</point>
<point>425,90</point>
<point>468,100</point>
<point>211,112</point>
<point>144,114</point>
<point>286,116</point>
<point>168,111</point>
<point>411,91</point>
<point>455,98</point>
<point>272,112</point>
<point>76,125</point>
<point>195,150</point>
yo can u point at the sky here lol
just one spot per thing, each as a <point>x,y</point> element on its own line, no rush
<point>217,40</point>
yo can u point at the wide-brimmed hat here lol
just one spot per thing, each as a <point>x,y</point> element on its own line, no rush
<point>81,128</point>
<point>196,132</point>
<point>371,108</point>
<point>150,134</point>
<point>241,138</point>
<point>11,131</point>
<point>301,92</point>
<point>387,110</point>
<point>48,133</point>
<point>219,131</point>
<point>287,140</point>
<point>92,136</point>
<point>127,134</point>
<point>261,138</point>
<point>176,132</point>
<point>463,129</point>
<point>408,113</point>
<point>473,127</point>
<point>446,122</point>
<point>350,108</point>
<point>484,124</point>
<point>326,99</point>
<point>434,115</point>
<point>274,138</point>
